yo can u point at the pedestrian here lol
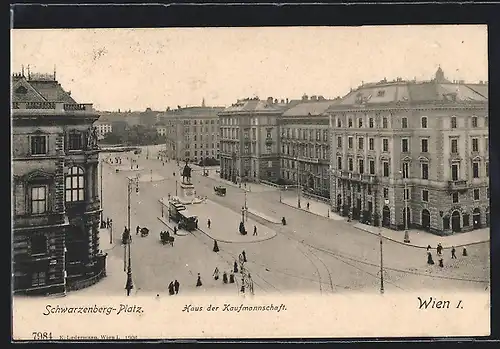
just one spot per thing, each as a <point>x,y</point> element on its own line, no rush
<point>209,223</point>
<point>216,246</point>
<point>175,230</point>
<point>464,252</point>
<point>224,277</point>
<point>308,206</point>
<point>428,248</point>
<point>198,282</point>
<point>441,262</point>
<point>244,256</point>
<point>231,278</point>
<point>216,273</point>
<point>176,286</point>
<point>254,230</point>
<point>453,256</point>
<point>173,174</point>
<point>171,288</point>
<point>439,249</point>
<point>137,229</point>
<point>242,290</point>
<point>430,261</point>
<point>235,267</point>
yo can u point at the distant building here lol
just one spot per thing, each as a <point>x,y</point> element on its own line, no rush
<point>103,127</point>
<point>431,136</point>
<point>304,143</point>
<point>249,143</point>
<point>56,205</point>
<point>192,133</point>
<point>161,128</point>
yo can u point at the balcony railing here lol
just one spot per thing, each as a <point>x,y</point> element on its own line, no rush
<point>458,184</point>
<point>52,106</point>
<point>365,178</point>
<point>38,220</point>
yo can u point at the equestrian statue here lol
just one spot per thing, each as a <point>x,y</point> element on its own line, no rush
<point>186,174</point>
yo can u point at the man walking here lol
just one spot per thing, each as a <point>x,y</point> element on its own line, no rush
<point>453,256</point>
<point>176,286</point>
<point>137,229</point>
<point>209,223</point>
<point>254,230</point>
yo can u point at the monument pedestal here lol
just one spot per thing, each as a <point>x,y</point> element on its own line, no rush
<point>186,193</point>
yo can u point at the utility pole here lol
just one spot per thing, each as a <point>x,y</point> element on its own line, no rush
<point>381,264</point>
<point>100,170</point>
<point>130,183</point>
<point>298,181</point>
<point>246,207</point>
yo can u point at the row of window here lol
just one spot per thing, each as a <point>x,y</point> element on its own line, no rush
<point>201,122</point>
<point>39,143</point>
<point>206,129</point>
<point>74,191</point>
<point>202,145</point>
<point>405,144</point>
<point>234,148</point>
<point>187,153</point>
<point>305,134</point>
<point>424,168</point>
<point>455,196</point>
<point>404,122</point>
<point>318,152</point>
<point>265,120</point>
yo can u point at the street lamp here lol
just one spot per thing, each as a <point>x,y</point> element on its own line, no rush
<point>131,182</point>
<point>100,170</point>
<point>246,207</point>
<point>405,197</point>
<point>381,264</point>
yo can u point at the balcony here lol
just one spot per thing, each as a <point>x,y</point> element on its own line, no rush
<point>269,141</point>
<point>357,177</point>
<point>457,185</point>
<point>307,159</point>
<point>83,206</point>
<point>55,106</point>
<point>22,221</point>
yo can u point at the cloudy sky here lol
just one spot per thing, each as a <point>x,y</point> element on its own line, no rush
<point>140,68</point>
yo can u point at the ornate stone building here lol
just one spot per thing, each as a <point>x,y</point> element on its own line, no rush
<point>430,136</point>
<point>249,140</point>
<point>304,142</point>
<point>56,205</point>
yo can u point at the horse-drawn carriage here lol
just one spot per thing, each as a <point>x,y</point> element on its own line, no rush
<point>220,190</point>
<point>165,238</point>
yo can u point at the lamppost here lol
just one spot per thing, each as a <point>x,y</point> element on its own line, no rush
<point>246,207</point>
<point>130,184</point>
<point>381,263</point>
<point>405,197</point>
<point>176,187</point>
<point>100,170</point>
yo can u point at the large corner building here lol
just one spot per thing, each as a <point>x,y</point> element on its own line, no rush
<point>56,207</point>
<point>412,149</point>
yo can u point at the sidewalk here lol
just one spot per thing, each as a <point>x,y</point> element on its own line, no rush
<point>249,188</point>
<point>315,207</point>
<point>270,219</point>
<point>421,239</point>
<point>225,223</point>
<point>150,177</point>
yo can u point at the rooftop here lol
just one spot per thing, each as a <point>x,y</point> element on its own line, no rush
<point>43,92</point>
<point>400,91</point>
<point>310,108</point>
<point>256,105</point>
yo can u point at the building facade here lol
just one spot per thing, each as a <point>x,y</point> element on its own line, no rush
<point>412,149</point>
<point>56,206</point>
<point>305,146</point>
<point>192,133</point>
<point>249,142</point>
<point>103,127</point>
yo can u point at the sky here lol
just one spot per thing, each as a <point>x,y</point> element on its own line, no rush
<point>159,68</point>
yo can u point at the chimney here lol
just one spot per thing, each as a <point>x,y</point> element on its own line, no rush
<point>276,100</point>
<point>269,100</point>
<point>305,97</point>
<point>314,98</point>
<point>287,101</point>
<point>282,101</point>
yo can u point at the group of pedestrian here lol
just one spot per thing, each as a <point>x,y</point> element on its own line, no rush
<point>173,287</point>
<point>439,252</point>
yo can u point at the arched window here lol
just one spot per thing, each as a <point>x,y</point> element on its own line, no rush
<point>75,185</point>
